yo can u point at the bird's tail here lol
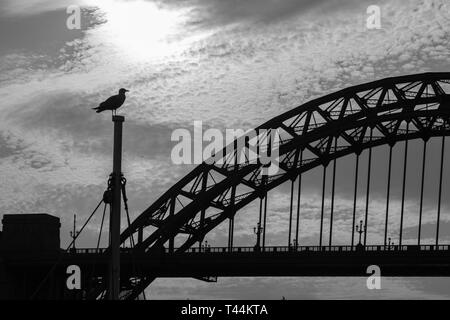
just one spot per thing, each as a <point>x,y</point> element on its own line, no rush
<point>97,109</point>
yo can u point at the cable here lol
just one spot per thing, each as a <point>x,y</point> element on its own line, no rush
<point>98,241</point>
<point>101,227</point>
<point>125,203</point>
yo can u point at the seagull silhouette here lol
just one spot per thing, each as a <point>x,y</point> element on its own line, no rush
<point>112,103</point>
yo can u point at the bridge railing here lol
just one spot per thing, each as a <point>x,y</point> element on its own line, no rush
<point>317,248</point>
<point>280,249</point>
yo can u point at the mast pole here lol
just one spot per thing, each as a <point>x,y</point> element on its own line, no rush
<point>114,268</point>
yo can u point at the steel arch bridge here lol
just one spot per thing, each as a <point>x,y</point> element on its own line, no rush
<point>312,135</point>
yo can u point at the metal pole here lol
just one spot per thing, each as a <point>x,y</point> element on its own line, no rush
<point>74,235</point>
<point>265,219</point>
<point>388,193</point>
<point>405,163</point>
<point>230,234</point>
<point>298,199</point>
<point>332,194</point>
<point>323,203</point>
<point>424,159</point>
<point>440,190</point>
<point>114,272</point>
<point>290,212</point>
<point>369,167</point>
<point>231,219</point>
<point>258,234</point>
<point>355,198</point>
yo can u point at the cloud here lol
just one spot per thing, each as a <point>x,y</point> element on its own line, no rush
<point>219,13</point>
<point>13,8</point>
<point>9,146</point>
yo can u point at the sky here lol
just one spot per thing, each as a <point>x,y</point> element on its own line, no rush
<point>230,64</point>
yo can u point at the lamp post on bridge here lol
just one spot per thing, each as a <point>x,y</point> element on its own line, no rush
<point>361,230</point>
<point>257,230</point>
<point>74,234</point>
<point>295,244</point>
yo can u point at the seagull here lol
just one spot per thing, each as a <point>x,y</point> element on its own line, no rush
<point>113,102</point>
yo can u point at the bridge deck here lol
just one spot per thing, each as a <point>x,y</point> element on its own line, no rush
<point>270,261</point>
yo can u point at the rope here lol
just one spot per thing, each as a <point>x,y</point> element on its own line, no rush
<point>94,264</point>
<point>101,227</point>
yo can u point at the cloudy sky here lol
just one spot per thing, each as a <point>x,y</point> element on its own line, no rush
<point>228,63</point>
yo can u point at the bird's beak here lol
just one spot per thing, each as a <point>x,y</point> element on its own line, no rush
<point>127,90</point>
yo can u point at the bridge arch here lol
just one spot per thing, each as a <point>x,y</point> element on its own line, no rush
<point>346,122</point>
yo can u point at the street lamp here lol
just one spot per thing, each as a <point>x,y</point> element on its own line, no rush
<point>360,230</point>
<point>74,234</point>
<point>257,230</point>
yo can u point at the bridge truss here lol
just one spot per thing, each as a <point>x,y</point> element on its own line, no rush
<point>312,135</point>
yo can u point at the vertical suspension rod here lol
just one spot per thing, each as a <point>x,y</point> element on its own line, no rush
<point>258,227</point>
<point>230,234</point>
<point>323,203</point>
<point>355,196</point>
<point>440,190</point>
<point>332,194</point>
<point>265,216</point>
<point>405,163</point>
<point>388,194</point>
<point>290,211</point>
<point>369,168</point>
<point>298,200</point>
<point>424,159</point>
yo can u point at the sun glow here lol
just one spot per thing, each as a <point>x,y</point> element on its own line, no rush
<point>141,29</point>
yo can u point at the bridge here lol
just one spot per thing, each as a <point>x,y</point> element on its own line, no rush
<point>168,239</point>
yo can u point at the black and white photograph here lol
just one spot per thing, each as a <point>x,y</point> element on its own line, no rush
<point>230,155</point>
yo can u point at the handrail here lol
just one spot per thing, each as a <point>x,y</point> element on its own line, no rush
<point>370,248</point>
